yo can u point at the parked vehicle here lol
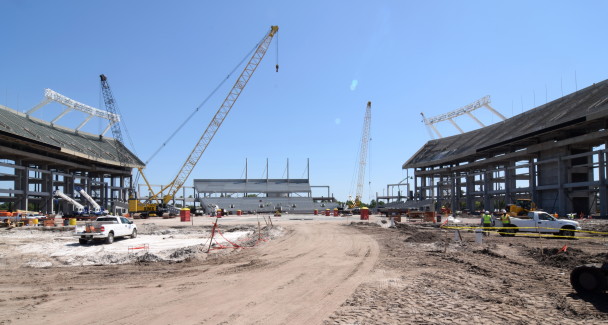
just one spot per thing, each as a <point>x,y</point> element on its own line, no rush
<point>106,228</point>
<point>521,207</point>
<point>541,222</point>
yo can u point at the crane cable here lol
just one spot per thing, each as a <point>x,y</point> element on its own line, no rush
<point>136,181</point>
<point>277,42</point>
<point>180,127</point>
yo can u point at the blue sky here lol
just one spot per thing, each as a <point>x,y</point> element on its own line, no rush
<point>162,58</point>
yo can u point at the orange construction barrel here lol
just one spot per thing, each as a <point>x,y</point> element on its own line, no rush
<point>335,212</point>
<point>364,213</point>
<point>184,214</point>
<point>316,212</point>
<point>327,212</point>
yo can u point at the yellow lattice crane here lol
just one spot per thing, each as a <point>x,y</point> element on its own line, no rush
<point>149,207</point>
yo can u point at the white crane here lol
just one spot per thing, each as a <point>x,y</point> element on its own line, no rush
<point>79,207</point>
<point>96,207</point>
<point>363,153</point>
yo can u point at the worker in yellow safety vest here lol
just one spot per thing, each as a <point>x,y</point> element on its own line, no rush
<point>487,222</point>
<point>505,218</point>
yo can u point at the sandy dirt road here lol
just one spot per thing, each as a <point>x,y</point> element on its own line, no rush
<point>299,278</point>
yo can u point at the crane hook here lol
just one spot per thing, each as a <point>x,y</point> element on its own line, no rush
<point>277,66</point>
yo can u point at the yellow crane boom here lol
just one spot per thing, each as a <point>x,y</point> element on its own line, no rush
<point>218,119</point>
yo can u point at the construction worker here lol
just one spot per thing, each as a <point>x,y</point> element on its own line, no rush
<point>505,218</point>
<point>486,219</point>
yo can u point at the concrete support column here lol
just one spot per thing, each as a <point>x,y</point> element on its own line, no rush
<point>603,190</point>
<point>487,185</point>
<point>470,186</point>
<point>22,184</point>
<point>423,188</point>
<point>562,178</point>
<point>114,194</point>
<point>510,183</point>
<point>455,194</point>
<point>104,192</point>
<point>47,187</point>
<point>123,190</point>
<point>532,175</point>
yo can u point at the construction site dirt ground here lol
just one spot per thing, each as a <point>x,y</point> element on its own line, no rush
<point>302,270</point>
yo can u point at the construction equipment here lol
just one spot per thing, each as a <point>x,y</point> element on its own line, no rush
<point>79,207</point>
<point>96,207</point>
<point>109,101</point>
<point>363,154</point>
<point>590,279</point>
<point>149,207</point>
<point>521,207</point>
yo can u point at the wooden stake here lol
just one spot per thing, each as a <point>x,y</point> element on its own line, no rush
<point>212,235</point>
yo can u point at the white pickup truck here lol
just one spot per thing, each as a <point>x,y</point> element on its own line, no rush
<point>540,222</point>
<point>106,228</point>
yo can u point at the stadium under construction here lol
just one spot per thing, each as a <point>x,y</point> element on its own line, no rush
<point>39,157</point>
<point>553,155</point>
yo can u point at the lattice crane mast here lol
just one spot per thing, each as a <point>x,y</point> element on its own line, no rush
<point>110,103</point>
<point>363,153</point>
<point>218,119</point>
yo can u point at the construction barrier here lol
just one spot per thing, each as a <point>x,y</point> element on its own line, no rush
<point>144,247</point>
<point>364,213</point>
<point>184,215</point>
<point>215,230</point>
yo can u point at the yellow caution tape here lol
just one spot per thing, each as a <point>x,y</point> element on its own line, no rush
<point>535,234</point>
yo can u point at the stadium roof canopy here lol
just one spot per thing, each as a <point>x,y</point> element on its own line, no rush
<point>18,130</point>
<point>252,185</point>
<point>578,113</point>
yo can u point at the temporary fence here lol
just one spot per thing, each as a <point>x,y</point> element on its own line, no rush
<point>144,247</point>
<point>215,230</point>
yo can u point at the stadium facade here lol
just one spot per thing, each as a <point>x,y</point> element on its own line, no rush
<point>38,157</point>
<point>554,154</point>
